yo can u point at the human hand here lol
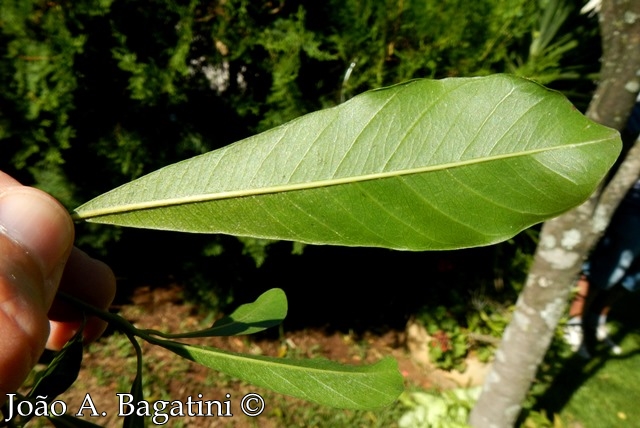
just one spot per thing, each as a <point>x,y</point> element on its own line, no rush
<point>37,258</point>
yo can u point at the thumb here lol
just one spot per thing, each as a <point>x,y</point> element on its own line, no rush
<point>36,237</point>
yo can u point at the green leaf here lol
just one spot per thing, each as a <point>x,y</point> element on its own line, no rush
<point>135,420</point>
<point>61,372</point>
<point>269,310</point>
<point>319,380</point>
<point>419,166</point>
<point>59,375</point>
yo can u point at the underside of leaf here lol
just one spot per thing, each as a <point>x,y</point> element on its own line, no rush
<point>318,380</point>
<point>423,165</point>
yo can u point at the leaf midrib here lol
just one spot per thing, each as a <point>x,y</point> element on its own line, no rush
<point>273,363</point>
<point>290,187</point>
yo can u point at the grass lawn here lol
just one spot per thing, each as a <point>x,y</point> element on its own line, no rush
<point>603,391</point>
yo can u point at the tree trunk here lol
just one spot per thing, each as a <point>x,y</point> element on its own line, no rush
<point>566,241</point>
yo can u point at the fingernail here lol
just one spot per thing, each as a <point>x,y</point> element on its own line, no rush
<point>38,224</point>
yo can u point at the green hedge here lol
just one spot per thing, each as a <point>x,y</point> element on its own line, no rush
<point>98,92</point>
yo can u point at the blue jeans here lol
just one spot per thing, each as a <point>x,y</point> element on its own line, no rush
<point>615,259</point>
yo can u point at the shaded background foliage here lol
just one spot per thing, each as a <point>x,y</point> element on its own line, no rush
<point>98,92</point>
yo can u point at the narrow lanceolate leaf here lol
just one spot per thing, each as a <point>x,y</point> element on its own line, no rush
<point>135,419</point>
<point>61,372</point>
<point>319,380</point>
<point>59,375</point>
<point>422,165</point>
